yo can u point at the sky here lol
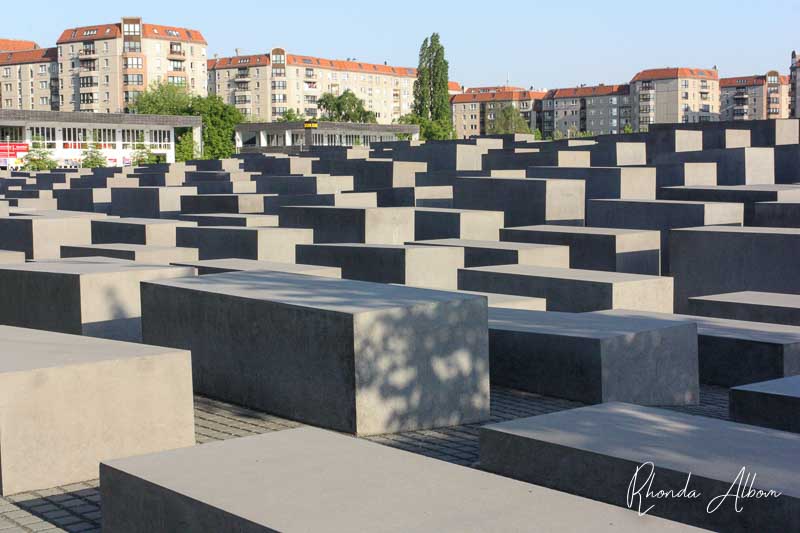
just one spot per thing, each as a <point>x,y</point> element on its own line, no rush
<point>525,43</point>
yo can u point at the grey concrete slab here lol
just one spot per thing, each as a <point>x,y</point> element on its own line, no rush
<point>91,200</point>
<point>352,356</point>
<point>488,252</point>
<point>735,166</point>
<point>443,223</point>
<point>634,183</point>
<point>676,174</point>
<point>96,296</point>
<point>774,404</point>
<point>222,203</point>
<point>71,401</point>
<point>273,203</point>
<point>384,225</point>
<point>747,195</point>
<point>753,306</point>
<point>595,452</point>
<point>41,237</point>
<point>591,248</point>
<point>776,214</point>
<point>317,184</point>
<point>425,266</point>
<point>149,231</point>
<point>737,352</point>
<point>595,358</point>
<point>258,243</point>
<point>9,256</point>
<point>572,290</point>
<point>149,202</point>
<point>233,219</point>
<point>155,255</point>
<point>218,266</point>
<point>662,215</point>
<point>252,484</point>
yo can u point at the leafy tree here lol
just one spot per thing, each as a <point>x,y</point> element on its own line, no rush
<point>163,99</point>
<point>509,120</point>
<point>219,124</point>
<point>558,135</point>
<point>291,115</point>
<point>537,134</point>
<point>346,107</point>
<point>93,157</point>
<point>429,129</point>
<point>432,111</point>
<point>39,157</point>
<point>628,128</point>
<point>186,149</point>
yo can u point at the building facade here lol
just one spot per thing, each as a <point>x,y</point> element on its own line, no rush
<point>754,97</point>
<point>593,110</point>
<point>103,68</point>
<point>475,110</point>
<point>265,86</point>
<point>674,95</point>
<point>29,79</point>
<point>794,86</point>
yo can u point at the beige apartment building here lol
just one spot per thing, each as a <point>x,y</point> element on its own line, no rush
<point>475,110</point>
<point>674,95</point>
<point>265,86</point>
<point>597,110</point>
<point>754,97</point>
<point>103,68</point>
<point>29,79</point>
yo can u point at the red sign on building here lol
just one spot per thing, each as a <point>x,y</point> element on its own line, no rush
<point>13,149</point>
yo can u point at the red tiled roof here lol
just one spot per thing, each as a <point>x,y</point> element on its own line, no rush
<point>501,96</point>
<point>589,91</point>
<point>749,81</point>
<point>239,61</point>
<point>39,55</point>
<point>15,45</point>
<point>674,73</point>
<point>454,86</point>
<point>350,66</point>
<point>111,31</point>
<point>495,89</point>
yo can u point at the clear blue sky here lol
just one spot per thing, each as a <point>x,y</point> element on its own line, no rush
<point>544,44</point>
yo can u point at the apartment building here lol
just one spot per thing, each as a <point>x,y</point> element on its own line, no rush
<point>754,97</point>
<point>794,86</point>
<point>597,110</point>
<point>265,86</point>
<point>475,110</point>
<point>674,95</point>
<point>29,79</point>
<point>15,45</point>
<point>103,68</point>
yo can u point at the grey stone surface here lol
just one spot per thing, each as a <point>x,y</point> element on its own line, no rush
<point>595,451</point>
<point>71,401</point>
<point>423,266</point>
<point>232,219</point>
<point>222,203</point>
<point>96,296</point>
<point>443,223</point>
<point>41,237</point>
<point>486,253</point>
<point>357,357</point>
<point>773,404</point>
<point>258,243</point>
<point>572,290</point>
<point>219,266</point>
<point>595,358</point>
<point>747,195</point>
<point>735,166</point>
<point>148,202</point>
<point>383,225</point>
<point>776,214</point>
<point>155,255</point>
<point>213,487</point>
<point>149,231</point>
<point>9,256</point>
<point>752,306</point>
<point>634,183</point>
<point>591,248</point>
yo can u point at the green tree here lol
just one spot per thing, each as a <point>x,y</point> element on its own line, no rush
<point>39,157</point>
<point>628,128</point>
<point>537,134</point>
<point>142,155</point>
<point>92,157</point>
<point>558,135</point>
<point>431,110</point>
<point>346,107</point>
<point>186,149</point>
<point>163,99</point>
<point>509,120</point>
<point>291,115</point>
<point>219,124</point>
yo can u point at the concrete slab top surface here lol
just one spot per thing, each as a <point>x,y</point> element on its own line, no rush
<point>90,265</point>
<point>582,325</point>
<point>26,349</point>
<point>724,327</point>
<point>332,294</point>
<point>583,230</point>
<point>706,447</point>
<point>565,273</point>
<point>768,187</point>
<point>771,299</point>
<point>370,246</point>
<point>356,485</point>
<point>457,211</point>
<point>491,245</point>
<point>744,230</point>
<point>235,263</point>
<point>148,221</point>
<point>126,247</point>
<point>788,386</point>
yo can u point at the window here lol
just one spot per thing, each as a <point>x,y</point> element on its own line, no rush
<point>44,84</point>
<point>88,81</point>
<point>133,79</point>
<point>279,85</point>
<point>132,46</point>
<point>176,65</point>
<point>88,98</point>
<point>278,72</point>
<point>177,80</point>
<point>131,96</point>
<point>131,29</point>
<point>130,138</point>
<point>133,62</point>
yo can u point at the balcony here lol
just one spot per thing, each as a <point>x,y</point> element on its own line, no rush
<point>243,76</point>
<point>176,52</point>
<point>241,89</point>
<point>243,101</point>
<point>87,52</point>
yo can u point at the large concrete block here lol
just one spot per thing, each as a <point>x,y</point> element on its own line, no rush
<point>627,454</point>
<point>438,223</point>
<point>747,195</point>
<point>776,214</point>
<point>594,358</point>
<point>273,203</point>
<point>486,253</point>
<point>609,249</point>
<point>233,219</point>
<point>572,290</point>
<point>736,352</point>
<point>70,402</point>
<point>633,183</point>
<point>773,404</point>
<point>524,201</point>
<point>351,356</point>
<point>149,231</point>
<point>711,261</point>
<point>155,255</point>
<point>218,266</point>
<point>735,166</point>
<point>384,225</point>
<point>96,296</point>
<point>752,306</point>
<point>318,184</point>
<point>91,200</point>
<point>662,215</point>
<point>253,484</point>
<point>41,237</point>
<point>222,203</point>
<point>422,266</point>
<point>677,174</point>
<point>149,202</point>
<point>259,243</point>
<point>9,256</point>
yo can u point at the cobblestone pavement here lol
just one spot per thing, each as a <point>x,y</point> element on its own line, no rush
<point>76,507</point>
